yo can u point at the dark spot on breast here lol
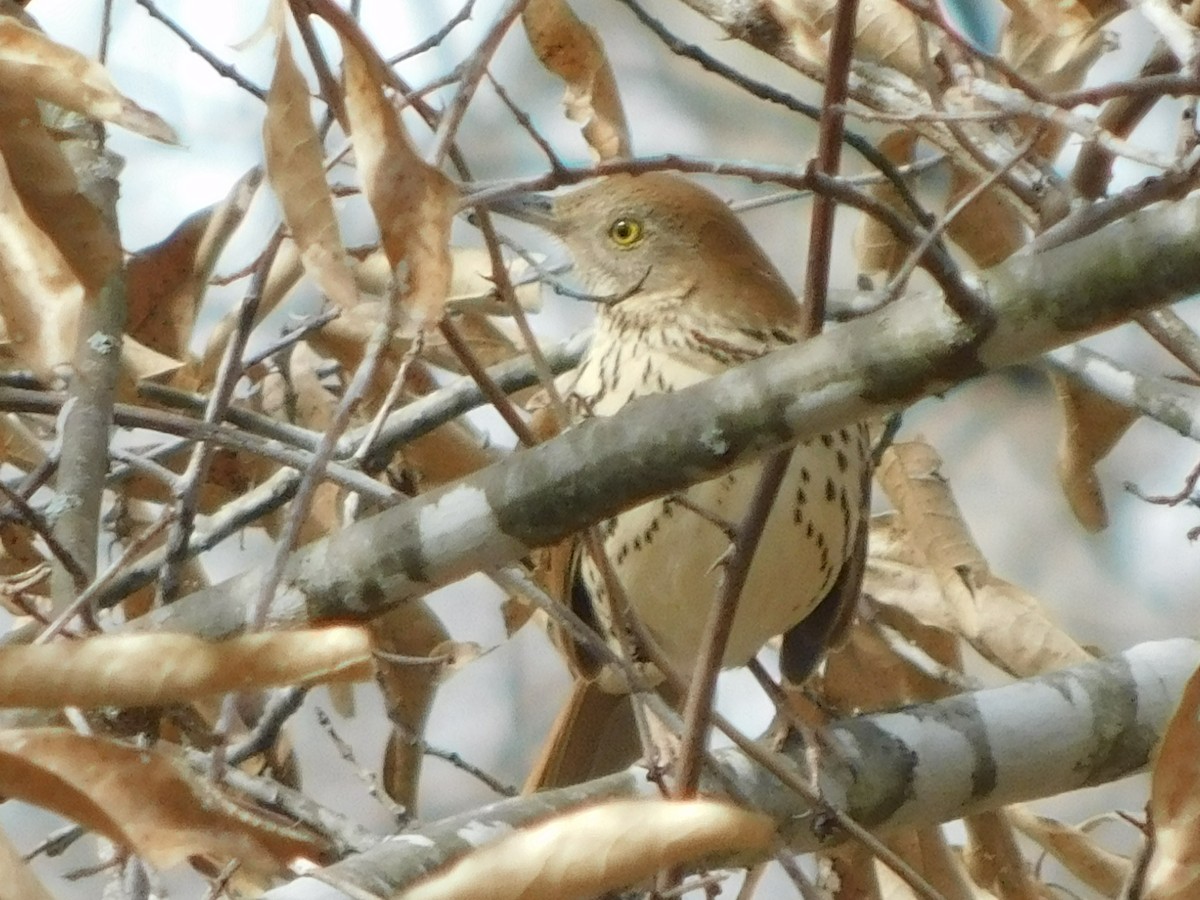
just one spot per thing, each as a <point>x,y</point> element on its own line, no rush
<point>801,497</point>
<point>804,475</point>
<point>782,336</point>
<point>830,490</point>
<point>844,435</point>
<point>842,462</point>
<point>808,532</point>
<point>827,440</point>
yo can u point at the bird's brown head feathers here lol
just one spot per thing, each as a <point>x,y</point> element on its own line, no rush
<point>637,237</point>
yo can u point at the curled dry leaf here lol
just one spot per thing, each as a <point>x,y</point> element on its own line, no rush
<point>573,52</point>
<point>885,32</point>
<point>18,552</point>
<point>894,680</point>
<point>296,169</point>
<point>157,669</point>
<point>413,202</point>
<point>1055,44</point>
<point>1100,869</point>
<point>928,852</point>
<point>411,630</point>
<point>471,284</point>
<point>40,297</point>
<point>19,445</point>
<point>993,858</point>
<point>145,799</point>
<point>284,273</point>
<point>988,228</point>
<point>876,247</point>
<point>1092,425</point>
<point>597,849</point>
<point>1005,624</point>
<point>33,65</point>
<point>166,281</point>
<point>1172,871</point>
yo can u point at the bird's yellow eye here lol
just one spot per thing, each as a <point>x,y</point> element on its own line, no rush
<point>625,232</point>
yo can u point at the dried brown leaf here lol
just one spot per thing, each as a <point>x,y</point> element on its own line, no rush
<point>471,283</point>
<point>34,66</point>
<point>18,552</point>
<point>893,681</point>
<point>295,167</point>
<point>413,202</point>
<point>40,298</point>
<point>1055,44</point>
<point>989,228</point>
<point>876,247</point>
<point>1005,624</point>
<point>993,858</point>
<point>46,183</point>
<point>19,445</point>
<point>910,474</point>
<point>161,315</point>
<point>597,849</point>
<point>166,281</point>
<point>927,851</point>
<point>144,799</point>
<point>1172,871</point>
<point>898,575</point>
<point>139,362</point>
<point>284,274</point>
<point>884,32</point>
<point>572,51</point>
<point>1092,425</point>
<point>412,630</point>
<point>1103,871</point>
<point>157,669</point>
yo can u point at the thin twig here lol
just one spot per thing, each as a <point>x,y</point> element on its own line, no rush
<point>449,756</point>
<point>38,524</point>
<point>437,37</point>
<point>860,144</point>
<point>698,708</point>
<point>495,396</point>
<point>219,400</point>
<point>1174,334</point>
<point>828,162</point>
<point>221,68</point>
<point>472,74</point>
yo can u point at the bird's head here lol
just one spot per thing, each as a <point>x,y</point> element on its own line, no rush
<point>655,234</point>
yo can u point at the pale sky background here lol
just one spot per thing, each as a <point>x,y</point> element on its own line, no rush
<point>998,437</point>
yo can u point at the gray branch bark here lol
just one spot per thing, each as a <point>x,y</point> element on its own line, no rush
<point>922,765</point>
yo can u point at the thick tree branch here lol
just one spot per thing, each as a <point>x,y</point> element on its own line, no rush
<point>884,361</point>
<point>919,766</point>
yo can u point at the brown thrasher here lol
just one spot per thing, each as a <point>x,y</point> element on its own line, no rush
<point>685,293</point>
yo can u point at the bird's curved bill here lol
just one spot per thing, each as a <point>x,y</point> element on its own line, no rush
<point>536,209</point>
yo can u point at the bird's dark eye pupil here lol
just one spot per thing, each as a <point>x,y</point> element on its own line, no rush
<point>625,232</point>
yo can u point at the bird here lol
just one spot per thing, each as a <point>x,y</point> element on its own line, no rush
<point>683,292</point>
